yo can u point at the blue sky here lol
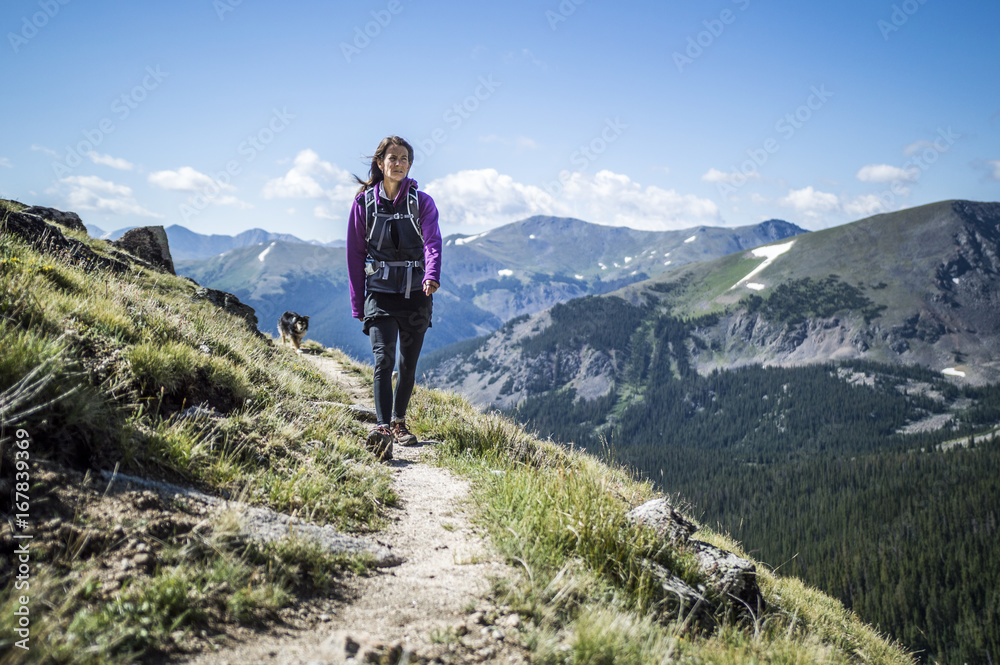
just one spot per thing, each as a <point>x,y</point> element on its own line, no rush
<point>224,115</point>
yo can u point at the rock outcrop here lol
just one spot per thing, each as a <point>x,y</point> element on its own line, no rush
<point>728,576</point>
<point>145,246</point>
<point>70,220</point>
<point>668,522</point>
<point>149,243</point>
<point>229,303</point>
<point>49,239</point>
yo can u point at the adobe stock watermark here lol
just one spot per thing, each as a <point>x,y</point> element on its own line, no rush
<point>121,107</point>
<point>363,35</point>
<point>565,9</point>
<point>786,126</point>
<point>587,154</point>
<point>924,155</point>
<point>248,149</point>
<point>21,560</point>
<point>901,13</point>
<point>223,7</point>
<point>701,42</point>
<point>31,25</point>
<point>454,118</point>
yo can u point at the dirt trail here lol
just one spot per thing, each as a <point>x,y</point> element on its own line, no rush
<point>429,608</point>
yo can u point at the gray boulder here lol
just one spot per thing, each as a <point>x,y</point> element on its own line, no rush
<point>150,244</point>
<point>70,220</point>
<point>229,303</point>
<point>727,575</point>
<point>668,522</point>
<point>681,600</point>
<point>732,576</point>
<point>49,238</point>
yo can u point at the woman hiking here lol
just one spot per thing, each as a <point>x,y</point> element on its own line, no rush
<point>394,265</point>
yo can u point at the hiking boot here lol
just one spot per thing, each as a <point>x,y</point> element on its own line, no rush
<point>402,435</point>
<point>379,443</point>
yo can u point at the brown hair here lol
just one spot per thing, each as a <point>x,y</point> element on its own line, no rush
<point>375,174</point>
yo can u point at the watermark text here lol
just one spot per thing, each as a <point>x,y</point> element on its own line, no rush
<point>22,554</point>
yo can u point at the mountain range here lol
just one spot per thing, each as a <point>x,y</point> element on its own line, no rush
<point>516,269</point>
<point>918,286</point>
<point>186,244</point>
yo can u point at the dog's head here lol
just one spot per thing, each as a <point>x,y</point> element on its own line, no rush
<point>301,324</point>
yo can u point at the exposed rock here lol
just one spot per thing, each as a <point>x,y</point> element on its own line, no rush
<point>70,220</point>
<point>363,412</point>
<point>231,304</point>
<point>261,524</point>
<point>681,599</point>
<point>198,412</point>
<point>667,521</point>
<point>150,244</point>
<point>730,575</point>
<point>49,239</point>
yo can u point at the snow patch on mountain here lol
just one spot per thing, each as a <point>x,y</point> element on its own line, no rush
<point>466,241</point>
<point>769,254</point>
<point>263,255</point>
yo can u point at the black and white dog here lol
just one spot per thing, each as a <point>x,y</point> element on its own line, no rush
<point>294,327</point>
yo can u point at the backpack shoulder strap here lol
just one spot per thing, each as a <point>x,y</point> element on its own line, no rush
<point>371,194</point>
<point>413,208</point>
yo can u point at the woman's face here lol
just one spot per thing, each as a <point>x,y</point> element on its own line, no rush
<point>396,163</point>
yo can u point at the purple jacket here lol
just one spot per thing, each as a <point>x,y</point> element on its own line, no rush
<point>357,249</point>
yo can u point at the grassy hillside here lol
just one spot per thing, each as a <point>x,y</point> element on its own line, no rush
<point>99,372</point>
<point>767,386</point>
<point>837,473</point>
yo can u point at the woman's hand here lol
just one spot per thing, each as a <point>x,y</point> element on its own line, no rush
<point>430,286</point>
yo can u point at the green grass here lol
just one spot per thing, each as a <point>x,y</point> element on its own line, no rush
<point>558,517</point>
<point>98,368</point>
<point>207,581</point>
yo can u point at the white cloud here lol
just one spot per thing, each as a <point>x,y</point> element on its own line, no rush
<point>186,179</point>
<point>917,146</point>
<point>228,200</point>
<point>715,175</point>
<point>6,162</point>
<point>312,178</point>
<point>864,206</point>
<point>810,202</point>
<point>996,169</point>
<point>327,211</point>
<point>611,198</point>
<point>524,143</point>
<point>48,151</point>
<point>113,162</point>
<point>520,142</point>
<point>94,193</point>
<point>886,173</point>
<point>486,198</point>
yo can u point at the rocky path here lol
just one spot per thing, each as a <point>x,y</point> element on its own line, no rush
<point>430,608</point>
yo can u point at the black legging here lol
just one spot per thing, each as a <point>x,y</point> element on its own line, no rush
<point>383,333</point>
